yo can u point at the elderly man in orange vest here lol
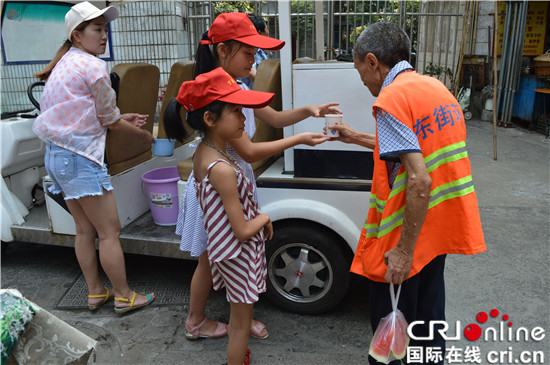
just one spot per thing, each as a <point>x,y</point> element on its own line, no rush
<point>422,205</point>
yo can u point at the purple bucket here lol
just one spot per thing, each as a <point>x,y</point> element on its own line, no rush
<point>161,186</point>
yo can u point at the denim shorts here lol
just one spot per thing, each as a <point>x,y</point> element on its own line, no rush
<point>74,174</point>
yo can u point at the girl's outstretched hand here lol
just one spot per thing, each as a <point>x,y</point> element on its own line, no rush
<point>135,119</point>
<point>324,109</point>
<point>312,139</point>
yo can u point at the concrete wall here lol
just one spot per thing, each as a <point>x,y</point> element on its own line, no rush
<point>439,36</point>
<point>485,19</point>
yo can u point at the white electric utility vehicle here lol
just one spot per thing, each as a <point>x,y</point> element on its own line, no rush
<point>317,197</point>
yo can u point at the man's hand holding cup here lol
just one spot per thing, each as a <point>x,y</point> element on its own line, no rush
<point>332,120</point>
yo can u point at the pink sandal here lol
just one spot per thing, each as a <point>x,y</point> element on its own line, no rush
<point>193,332</point>
<point>256,330</point>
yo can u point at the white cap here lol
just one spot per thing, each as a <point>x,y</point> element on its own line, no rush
<point>85,11</point>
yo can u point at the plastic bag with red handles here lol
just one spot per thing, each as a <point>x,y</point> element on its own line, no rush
<point>390,340</point>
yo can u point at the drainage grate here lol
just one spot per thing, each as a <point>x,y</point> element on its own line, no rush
<point>170,283</point>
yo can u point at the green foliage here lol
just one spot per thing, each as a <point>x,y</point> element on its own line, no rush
<point>387,12</point>
<point>304,23</point>
<point>356,33</point>
<point>233,7</point>
<point>437,70</point>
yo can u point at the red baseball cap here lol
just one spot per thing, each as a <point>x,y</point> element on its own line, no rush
<point>237,26</point>
<point>219,85</point>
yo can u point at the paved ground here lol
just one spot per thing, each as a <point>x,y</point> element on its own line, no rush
<point>512,276</point>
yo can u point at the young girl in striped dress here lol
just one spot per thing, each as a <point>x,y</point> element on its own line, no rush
<point>235,227</point>
<point>231,43</point>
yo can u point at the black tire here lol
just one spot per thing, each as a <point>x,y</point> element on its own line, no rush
<point>308,268</point>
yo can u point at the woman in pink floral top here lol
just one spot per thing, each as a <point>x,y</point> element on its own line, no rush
<point>77,106</point>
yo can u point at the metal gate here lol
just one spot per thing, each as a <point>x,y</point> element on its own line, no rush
<point>326,30</point>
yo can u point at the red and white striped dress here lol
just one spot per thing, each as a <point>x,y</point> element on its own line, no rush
<point>240,267</point>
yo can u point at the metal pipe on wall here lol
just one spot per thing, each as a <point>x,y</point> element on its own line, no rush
<point>515,62</point>
<point>489,41</point>
<point>495,82</point>
<point>517,57</point>
<point>503,59</point>
<point>519,54</point>
<point>510,65</point>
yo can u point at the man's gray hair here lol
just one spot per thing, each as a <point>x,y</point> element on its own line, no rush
<point>387,41</point>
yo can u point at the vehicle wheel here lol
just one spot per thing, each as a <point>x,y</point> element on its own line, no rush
<point>307,269</point>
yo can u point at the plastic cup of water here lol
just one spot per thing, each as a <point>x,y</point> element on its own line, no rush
<point>330,120</point>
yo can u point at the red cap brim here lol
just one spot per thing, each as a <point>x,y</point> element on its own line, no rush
<point>249,98</point>
<point>263,42</point>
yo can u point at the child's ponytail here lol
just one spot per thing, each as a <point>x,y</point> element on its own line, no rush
<point>174,126</point>
<point>204,60</point>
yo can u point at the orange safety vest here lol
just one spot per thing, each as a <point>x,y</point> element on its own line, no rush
<point>452,224</point>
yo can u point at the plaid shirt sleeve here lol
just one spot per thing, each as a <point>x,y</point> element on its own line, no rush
<point>259,57</point>
<point>394,137</point>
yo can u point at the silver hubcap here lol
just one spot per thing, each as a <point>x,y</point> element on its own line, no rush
<point>300,273</point>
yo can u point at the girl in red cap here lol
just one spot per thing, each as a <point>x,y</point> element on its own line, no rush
<point>235,227</point>
<point>231,43</point>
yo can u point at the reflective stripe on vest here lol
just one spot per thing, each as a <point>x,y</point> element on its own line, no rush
<point>438,194</point>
